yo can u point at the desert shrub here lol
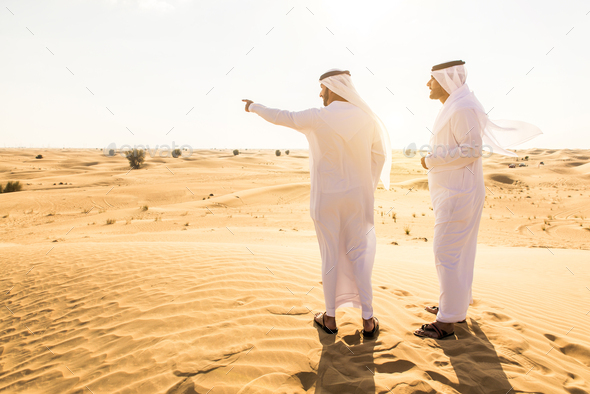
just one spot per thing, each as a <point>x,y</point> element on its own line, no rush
<point>236,152</point>
<point>407,229</point>
<point>176,153</point>
<point>136,157</point>
<point>278,152</point>
<point>144,208</point>
<point>111,152</point>
<point>1,188</point>
<point>39,157</point>
<point>111,221</point>
<point>287,152</point>
<point>12,187</point>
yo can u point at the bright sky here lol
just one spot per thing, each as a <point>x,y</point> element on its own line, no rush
<point>183,65</point>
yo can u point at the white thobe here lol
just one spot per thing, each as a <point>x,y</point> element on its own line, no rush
<point>457,191</point>
<point>346,158</point>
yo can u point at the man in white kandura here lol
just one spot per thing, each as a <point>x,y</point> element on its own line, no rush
<point>457,190</point>
<point>349,153</point>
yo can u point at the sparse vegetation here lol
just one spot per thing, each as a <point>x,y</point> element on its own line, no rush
<point>176,153</point>
<point>39,157</point>
<point>111,221</point>
<point>278,152</point>
<point>407,229</point>
<point>11,187</point>
<point>394,217</point>
<point>144,208</point>
<point>287,152</point>
<point>414,215</point>
<point>111,152</point>
<point>236,152</point>
<point>136,157</point>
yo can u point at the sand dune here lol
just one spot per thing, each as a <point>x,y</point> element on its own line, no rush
<point>211,289</point>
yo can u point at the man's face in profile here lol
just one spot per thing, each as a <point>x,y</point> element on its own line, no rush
<point>436,91</point>
<point>324,94</point>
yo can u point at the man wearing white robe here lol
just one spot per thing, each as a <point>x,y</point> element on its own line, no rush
<point>349,153</point>
<point>457,190</point>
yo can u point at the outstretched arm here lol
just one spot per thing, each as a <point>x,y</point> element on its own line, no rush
<point>302,121</point>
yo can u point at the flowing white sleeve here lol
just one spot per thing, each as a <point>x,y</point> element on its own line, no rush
<point>467,134</point>
<point>302,121</point>
<point>377,159</point>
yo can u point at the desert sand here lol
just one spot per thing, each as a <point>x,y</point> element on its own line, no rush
<point>207,277</point>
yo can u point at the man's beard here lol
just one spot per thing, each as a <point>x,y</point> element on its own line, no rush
<point>325,98</point>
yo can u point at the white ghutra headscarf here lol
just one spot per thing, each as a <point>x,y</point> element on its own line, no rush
<point>499,135</point>
<point>341,84</point>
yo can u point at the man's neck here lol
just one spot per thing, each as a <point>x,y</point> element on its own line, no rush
<point>336,99</point>
<point>444,98</point>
